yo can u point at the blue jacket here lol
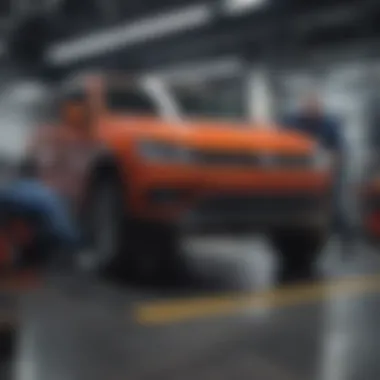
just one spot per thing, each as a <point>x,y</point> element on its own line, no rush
<point>326,129</point>
<point>28,196</point>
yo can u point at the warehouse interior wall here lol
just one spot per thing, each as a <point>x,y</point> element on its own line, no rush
<point>21,108</point>
<point>260,98</point>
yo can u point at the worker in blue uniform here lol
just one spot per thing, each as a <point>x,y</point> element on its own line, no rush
<point>22,196</point>
<point>327,130</point>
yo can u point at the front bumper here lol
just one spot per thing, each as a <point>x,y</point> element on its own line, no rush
<point>204,199</point>
<point>241,213</point>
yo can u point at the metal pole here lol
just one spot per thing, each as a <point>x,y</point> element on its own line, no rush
<point>276,49</point>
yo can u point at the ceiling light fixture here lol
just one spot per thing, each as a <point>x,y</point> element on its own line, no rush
<point>235,7</point>
<point>130,34</point>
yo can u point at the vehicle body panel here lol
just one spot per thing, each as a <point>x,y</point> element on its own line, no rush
<point>169,191</point>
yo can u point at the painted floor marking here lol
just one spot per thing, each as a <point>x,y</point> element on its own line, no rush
<point>180,310</point>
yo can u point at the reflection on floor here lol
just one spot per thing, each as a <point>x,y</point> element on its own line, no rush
<point>78,329</point>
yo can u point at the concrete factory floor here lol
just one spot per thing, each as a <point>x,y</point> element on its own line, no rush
<point>226,320</point>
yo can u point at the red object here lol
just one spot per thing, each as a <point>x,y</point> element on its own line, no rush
<point>17,234</point>
<point>373,223</point>
<point>20,233</point>
<point>5,250</point>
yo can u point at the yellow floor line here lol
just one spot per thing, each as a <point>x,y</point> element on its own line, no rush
<point>172,311</point>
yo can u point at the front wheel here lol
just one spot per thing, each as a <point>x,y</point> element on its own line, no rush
<point>105,228</point>
<point>298,250</point>
<point>119,245</point>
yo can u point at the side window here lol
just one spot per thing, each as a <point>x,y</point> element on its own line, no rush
<point>126,100</point>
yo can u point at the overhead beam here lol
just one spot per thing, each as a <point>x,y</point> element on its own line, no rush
<point>181,20</point>
<point>131,34</point>
<point>331,16</point>
<point>237,7</point>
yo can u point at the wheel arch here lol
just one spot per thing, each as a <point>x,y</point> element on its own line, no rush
<point>105,166</point>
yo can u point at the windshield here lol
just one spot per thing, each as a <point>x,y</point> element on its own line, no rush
<point>132,100</point>
<point>215,99</point>
<point>222,99</point>
<point>148,97</point>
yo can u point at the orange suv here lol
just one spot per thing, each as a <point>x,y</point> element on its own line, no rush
<point>148,174</point>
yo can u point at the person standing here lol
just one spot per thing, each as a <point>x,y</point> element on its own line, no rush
<point>313,120</point>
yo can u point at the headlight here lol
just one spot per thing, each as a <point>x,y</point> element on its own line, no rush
<point>163,152</point>
<point>322,158</point>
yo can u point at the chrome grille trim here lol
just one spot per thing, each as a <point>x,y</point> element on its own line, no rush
<point>246,159</point>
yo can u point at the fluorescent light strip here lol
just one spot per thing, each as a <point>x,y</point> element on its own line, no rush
<point>233,7</point>
<point>130,34</point>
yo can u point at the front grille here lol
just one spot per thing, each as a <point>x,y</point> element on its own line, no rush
<point>254,160</point>
<point>243,204</point>
<point>294,161</point>
<point>218,158</point>
<point>166,195</point>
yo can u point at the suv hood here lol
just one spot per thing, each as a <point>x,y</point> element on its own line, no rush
<point>214,135</point>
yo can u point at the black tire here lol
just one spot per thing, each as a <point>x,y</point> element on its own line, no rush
<point>157,259</point>
<point>104,225</point>
<point>144,252</point>
<point>298,250</point>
